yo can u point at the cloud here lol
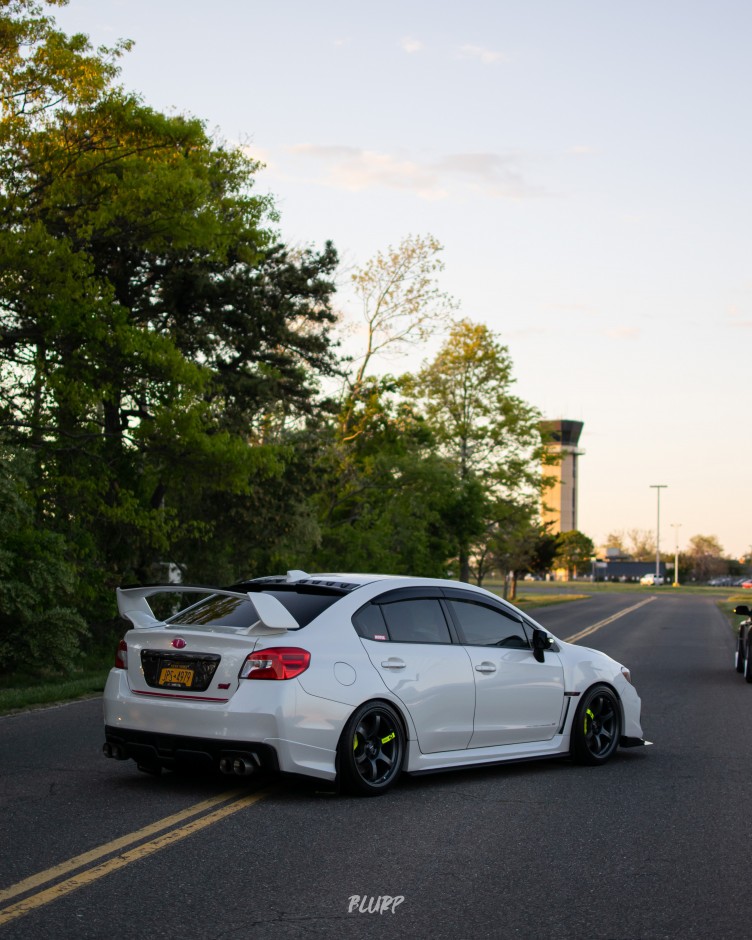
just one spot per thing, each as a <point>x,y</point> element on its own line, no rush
<point>486,56</point>
<point>622,333</point>
<point>411,45</point>
<point>351,168</point>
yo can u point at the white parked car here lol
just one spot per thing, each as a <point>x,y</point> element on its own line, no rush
<point>652,579</point>
<point>356,678</point>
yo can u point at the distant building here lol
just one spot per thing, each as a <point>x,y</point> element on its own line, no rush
<point>559,504</point>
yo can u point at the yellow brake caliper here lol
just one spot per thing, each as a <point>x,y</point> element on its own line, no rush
<point>590,714</point>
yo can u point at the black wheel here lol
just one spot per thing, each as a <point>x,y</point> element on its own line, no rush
<point>747,662</point>
<point>371,749</point>
<point>739,656</point>
<point>597,726</point>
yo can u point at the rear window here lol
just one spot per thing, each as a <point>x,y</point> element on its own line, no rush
<point>240,612</point>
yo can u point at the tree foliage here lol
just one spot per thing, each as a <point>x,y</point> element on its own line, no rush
<point>490,435</point>
<point>160,350</point>
<point>574,552</point>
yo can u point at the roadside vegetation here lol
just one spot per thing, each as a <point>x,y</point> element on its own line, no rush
<point>174,398</point>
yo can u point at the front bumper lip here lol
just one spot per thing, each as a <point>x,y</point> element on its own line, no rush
<point>625,741</point>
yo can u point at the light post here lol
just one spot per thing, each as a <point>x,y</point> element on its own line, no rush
<point>676,526</point>
<point>658,487</point>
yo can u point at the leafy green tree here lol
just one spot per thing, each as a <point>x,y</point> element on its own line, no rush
<point>39,624</point>
<point>387,502</point>
<point>515,537</point>
<point>160,351</point>
<point>574,552</point>
<point>490,435</point>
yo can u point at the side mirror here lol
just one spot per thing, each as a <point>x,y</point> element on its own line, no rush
<point>541,642</point>
<point>742,610</point>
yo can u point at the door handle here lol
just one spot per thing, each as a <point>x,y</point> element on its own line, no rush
<point>485,667</point>
<point>393,664</point>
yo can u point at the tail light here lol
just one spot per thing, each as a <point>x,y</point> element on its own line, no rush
<point>279,662</point>
<point>121,656</point>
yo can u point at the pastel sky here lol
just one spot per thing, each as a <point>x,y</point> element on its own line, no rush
<point>586,165</point>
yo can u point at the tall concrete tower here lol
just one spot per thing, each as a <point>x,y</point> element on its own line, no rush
<point>559,504</point>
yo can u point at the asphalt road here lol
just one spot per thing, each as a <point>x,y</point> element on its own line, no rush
<point>652,845</point>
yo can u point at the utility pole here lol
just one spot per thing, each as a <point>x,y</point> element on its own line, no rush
<point>676,526</point>
<point>658,487</point>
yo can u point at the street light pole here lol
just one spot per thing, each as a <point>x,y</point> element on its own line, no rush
<point>658,487</point>
<point>676,526</point>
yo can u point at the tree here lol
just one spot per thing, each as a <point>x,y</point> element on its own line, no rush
<point>160,351</point>
<point>514,540</point>
<point>641,544</point>
<point>38,621</point>
<point>386,500</point>
<point>490,435</point>
<point>401,303</point>
<point>705,558</point>
<point>574,553</point>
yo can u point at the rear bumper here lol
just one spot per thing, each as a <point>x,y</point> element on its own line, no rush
<point>174,752</point>
<point>285,727</point>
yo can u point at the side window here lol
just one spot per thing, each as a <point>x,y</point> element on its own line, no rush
<point>369,623</point>
<point>416,621</point>
<point>486,626</point>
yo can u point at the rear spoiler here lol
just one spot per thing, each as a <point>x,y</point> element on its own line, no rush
<point>273,615</point>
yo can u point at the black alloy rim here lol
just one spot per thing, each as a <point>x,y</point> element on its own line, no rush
<point>600,725</point>
<point>376,747</point>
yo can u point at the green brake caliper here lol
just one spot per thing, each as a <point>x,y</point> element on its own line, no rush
<point>355,743</point>
<point>388,738</point>
<point>591,715</point>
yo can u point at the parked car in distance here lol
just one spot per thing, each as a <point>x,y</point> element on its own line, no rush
<point>652,579</point>
<point>355,678</point>
<point>747,583</point>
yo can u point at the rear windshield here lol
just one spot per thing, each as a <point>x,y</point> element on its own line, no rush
<point>240,612</point>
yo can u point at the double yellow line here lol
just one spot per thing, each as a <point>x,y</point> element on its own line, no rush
<point>233,801</point>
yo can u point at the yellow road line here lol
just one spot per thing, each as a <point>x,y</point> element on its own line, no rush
<point>602,623</point>
<point>93,874</point>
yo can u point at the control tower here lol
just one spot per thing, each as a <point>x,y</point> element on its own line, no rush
<point>559,503</point>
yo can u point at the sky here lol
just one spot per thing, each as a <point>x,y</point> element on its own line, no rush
<point>585,164</point>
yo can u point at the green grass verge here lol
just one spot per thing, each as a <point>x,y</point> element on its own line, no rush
<point>20,694</point>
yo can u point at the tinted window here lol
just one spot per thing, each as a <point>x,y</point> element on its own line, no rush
<point>369,623</point>
<point>486,626</point>
<point>418,621</point>
<point>240,612</point>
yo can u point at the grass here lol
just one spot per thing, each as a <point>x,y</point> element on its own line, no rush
<point>21,691</point>
<point>22,697</point>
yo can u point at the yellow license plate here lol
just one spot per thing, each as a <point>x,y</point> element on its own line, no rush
<point>172,676</point>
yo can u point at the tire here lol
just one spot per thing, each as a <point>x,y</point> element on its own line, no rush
<point>747,663</point>
<point>739,656</point>
<point>371,750</point>
<point>597,726</point>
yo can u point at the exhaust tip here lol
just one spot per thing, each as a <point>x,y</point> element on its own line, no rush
<point>225,765</point>
<point>242,766</point>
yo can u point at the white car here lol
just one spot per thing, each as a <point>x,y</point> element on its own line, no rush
<point>652,579</point>
<point>356,678</point>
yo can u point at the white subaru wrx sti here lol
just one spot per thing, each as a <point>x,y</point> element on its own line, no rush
<point>356,678</point>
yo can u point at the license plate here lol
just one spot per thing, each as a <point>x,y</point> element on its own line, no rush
<point>176,677</point>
